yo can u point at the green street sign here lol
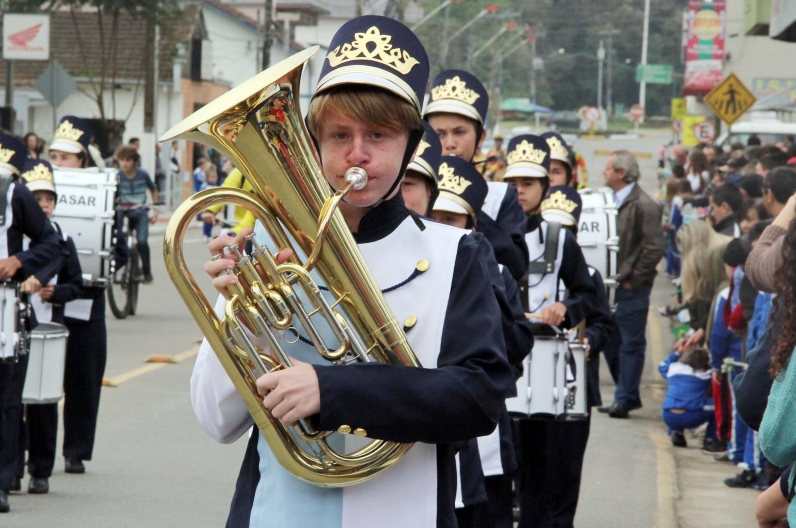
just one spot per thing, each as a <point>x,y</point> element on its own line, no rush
<point>654,73</point>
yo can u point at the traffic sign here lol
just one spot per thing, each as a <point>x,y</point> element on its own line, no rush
<point>654,73</point>
<point>678,109</point>
<point>55,84</point>
<point>705,132</point>
<point>730,99</point>
<point>592,114</point>
<point>636,112</point>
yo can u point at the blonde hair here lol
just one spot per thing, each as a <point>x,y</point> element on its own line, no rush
<point>367,104</point>
<point>703,267</point>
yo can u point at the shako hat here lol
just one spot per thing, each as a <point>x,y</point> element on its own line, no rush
<point>528,156</point>
<point>462,189</point>
<point>562,205</point>
<point>377,51</point>
<point>12,156</point>
<point>559,150</point>
<point>72,135</point>
<point>427,157</point>
<point>38,176</point>
<point>458,92</point>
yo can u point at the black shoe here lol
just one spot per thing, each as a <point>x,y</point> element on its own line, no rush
<point>4,506</point>
<point>148,278</point>
<point>635,405</point>
<point>723,457</point>
<point>16,484</point>
<point>38,486</point>
<point>604,408</point>
<point>744,479</point>
<point>678,439</point>
<point>74,465</point>
<point>618,411</point>
<point>714,445</point>
<point>762,482</point>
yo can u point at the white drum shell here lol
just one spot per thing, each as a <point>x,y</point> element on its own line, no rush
<point>599,241</point>
<point>541,390</point>
<point>85,211</point>
<point>44,382</point>
<point>9,333</point>
<point>578,407</point>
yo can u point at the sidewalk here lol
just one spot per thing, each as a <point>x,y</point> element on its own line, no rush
<point>700,498</point>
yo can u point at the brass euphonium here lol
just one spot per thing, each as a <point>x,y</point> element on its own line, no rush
<point>259,127</point>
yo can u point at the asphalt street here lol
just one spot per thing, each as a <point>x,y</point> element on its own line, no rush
<point>154,466</point>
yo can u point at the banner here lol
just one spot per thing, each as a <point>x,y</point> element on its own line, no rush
<point>26,37</point>
<point>704,52</point>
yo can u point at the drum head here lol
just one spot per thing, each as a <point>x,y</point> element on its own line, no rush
<point>49,329</point>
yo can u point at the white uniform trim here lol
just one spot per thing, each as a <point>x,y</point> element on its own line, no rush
<point>9,220</point>
<point>494,198</point>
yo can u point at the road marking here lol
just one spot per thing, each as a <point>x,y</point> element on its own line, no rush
<point>149,367</point>
<point>665,514</point>
<point>643,155</point>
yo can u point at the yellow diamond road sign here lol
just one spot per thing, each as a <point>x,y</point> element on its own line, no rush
<point>730,99</point>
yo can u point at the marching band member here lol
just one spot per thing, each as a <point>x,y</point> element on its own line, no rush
<point>419,186</point>
<point>485,490</point>
<point>87,347</point>
<point>42,419</point>
<point>457,110</point>
<point>560,160</point>
<point>365,112</point>
<point>568,438</point>
<point>20,215</point>
<point>528,168</point>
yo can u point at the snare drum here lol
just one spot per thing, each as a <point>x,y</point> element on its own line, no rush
<point>597,235</point>
<point>576,405</point>
<point>44,382</point>
<point>541,391</point>
<point>85,211</point>
<point>12,327</point>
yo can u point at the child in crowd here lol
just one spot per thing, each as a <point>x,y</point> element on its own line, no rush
<point>688,403</point>
<point>677,190</point>
<point>211,180</point>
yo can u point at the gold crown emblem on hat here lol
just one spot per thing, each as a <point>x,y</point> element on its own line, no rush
<point>6,154</point>
<point>421,148</point>
<point>382,52</point>
<point>559,201</point>
<point>526,152</point>
<point>68,131</point>
<point>39,172</point>
<point>450,182</point>
<point>556,147</point>
<point>454,89</point>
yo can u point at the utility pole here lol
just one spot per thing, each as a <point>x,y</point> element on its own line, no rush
<point>642,91</point>
<point>268,33</point>
<point>600,59</point>
<point>533,70</point>
<point>609,95</point>
<point>443,49</point>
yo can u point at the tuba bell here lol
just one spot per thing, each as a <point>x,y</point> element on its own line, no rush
<point>259,127</point>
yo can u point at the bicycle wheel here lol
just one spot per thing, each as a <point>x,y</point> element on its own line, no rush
<point>119,291</point>
<point>135,279</point>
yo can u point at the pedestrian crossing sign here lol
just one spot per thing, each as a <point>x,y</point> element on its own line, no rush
<point>730,99</point>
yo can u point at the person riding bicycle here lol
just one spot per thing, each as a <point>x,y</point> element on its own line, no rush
<point>131,193</point>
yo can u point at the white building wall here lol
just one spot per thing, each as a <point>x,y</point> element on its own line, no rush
<point>755,57</point>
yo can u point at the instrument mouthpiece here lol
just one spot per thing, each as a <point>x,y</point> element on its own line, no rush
<point>358,177</point>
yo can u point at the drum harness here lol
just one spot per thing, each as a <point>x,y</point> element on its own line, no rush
<point>543,267</point>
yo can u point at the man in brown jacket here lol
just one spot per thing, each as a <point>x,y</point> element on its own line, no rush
<point>641,247</point>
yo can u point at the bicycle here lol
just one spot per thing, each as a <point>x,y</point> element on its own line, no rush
<point>126,278</point>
